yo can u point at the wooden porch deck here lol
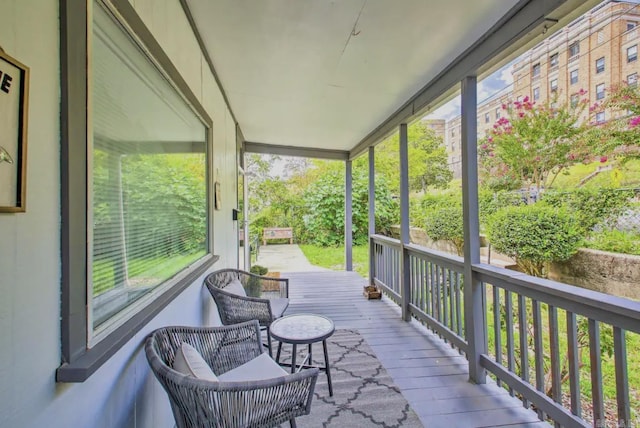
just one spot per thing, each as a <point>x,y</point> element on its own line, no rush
<point>431,375</point>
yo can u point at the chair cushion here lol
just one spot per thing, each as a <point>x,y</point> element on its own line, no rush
<point>235,287</point>
<point>278,306</point>
<point>188,361</point>
<point>262,367</point>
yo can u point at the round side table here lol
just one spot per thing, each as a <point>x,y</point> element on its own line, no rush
<point>303,329</point>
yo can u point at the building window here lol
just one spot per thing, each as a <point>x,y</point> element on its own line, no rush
<point>632,79</point>
<point>575,98</point>
<point>135,205</point>
<point>574,49</point>
<point>573,76</point>
<point>600,117</point>
<point>631,25</point>
<point>600,65</point>
<point>600,37</point>
<point>600,91</point>
<point>553,60</point>
<point>632,53</point>
<point>497,113</point>
<point>535,70</point>
<point>536,94</point>
<point>487,118</point>
<point>553,85</point>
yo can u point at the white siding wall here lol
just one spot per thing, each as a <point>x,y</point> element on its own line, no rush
<point>122,393</point>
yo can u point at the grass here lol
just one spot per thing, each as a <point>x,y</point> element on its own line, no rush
<point>627,175</point>
<point>141,271</point>
<point>333,257</point>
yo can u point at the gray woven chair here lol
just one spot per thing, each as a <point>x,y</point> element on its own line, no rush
<point>267,298</point>
<point>226,404</point>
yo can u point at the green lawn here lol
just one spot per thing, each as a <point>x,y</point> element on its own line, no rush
<point>333,257</point>
<point>627,175</point>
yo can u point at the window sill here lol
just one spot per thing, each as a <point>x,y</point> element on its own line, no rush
<point>85,365</point>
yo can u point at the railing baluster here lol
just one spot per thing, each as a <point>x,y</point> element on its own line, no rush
<point>554,345</point>
<point>574,364</point>
<point>497,327</point>
<point>539,350</point>
<point>622,380</point>
<point>423,285</point>
<point>458,305</point>
<point>597,395</point>
<point>434,300</point>
<point>438,314</point>
<point>509,324</point>
<point>451,300</point>
<point>524,342</point>
<point>445,298</point>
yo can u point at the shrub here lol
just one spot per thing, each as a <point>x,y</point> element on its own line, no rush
<point>422,207</point>
<point>534,235</point>
<point>259,270</point>
<point>591,206</point>
<point>490,202</point>
<point>445,224</point>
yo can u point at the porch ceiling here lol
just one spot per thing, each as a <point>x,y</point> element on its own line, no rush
<point>326,74</point>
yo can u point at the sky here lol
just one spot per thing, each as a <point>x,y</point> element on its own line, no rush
<point>491,85</point>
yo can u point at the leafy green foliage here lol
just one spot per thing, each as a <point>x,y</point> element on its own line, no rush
<point>445,224</point>
<point>534,235</point>
<point>489,202</point>
<point>615,241</point>
<point>428,162</point>
<point>324,203</point>
<point>422,207</point>
<point>590,206</point>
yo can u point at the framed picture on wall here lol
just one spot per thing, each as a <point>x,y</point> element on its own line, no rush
<point>14,97</point>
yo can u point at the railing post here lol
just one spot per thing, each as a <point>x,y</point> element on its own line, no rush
<point>348,218</point>
<point>405,274</point>
<point>372,211</point>
<point>474,312</point>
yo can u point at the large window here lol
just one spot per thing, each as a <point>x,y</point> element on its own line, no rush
<point>148,193</point>
<point>135,183</point>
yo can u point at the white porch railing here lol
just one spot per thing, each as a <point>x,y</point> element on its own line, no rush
<point>535,330</point>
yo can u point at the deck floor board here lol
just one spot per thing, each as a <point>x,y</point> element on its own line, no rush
<point>431,375</point>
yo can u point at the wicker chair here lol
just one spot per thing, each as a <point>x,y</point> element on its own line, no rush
<point>226,404</point>
<point>266,300</point>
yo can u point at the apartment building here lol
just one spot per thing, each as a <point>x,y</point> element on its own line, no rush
<point>593,53</point>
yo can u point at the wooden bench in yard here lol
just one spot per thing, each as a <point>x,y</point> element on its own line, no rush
<point>277,233</point>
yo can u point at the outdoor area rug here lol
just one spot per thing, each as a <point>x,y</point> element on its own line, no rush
<point>364,394</point>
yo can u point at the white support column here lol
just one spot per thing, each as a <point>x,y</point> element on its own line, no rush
<point>405,274</point>
<point>348,217</point>
<point>473,299</point>
<point>372,210</point>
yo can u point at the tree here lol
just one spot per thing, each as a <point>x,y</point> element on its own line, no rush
<point>428,162</point>
<point>620,136</point>
<point>324,204</point>
<point>533,143</point>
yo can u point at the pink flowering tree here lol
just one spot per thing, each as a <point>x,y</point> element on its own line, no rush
<point>532,143</point>
<point>620,136</point>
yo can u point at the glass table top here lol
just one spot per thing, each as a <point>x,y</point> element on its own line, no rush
<point>302,328</point>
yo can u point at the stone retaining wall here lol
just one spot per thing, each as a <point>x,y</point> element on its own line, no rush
<point>611,273</point>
